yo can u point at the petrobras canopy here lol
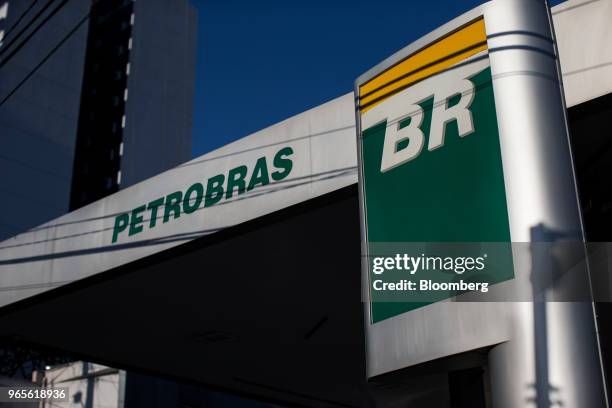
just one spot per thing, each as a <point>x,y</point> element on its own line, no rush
<point>300,158</point>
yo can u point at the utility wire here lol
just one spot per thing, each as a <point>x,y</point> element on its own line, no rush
<point>42,62</point>
<point>29,166</point>
<point>477,86</point>
<point>30,35</point>
<point>332,131</point>
<point>28,25</point>
<point>27,10</point>
<point>265,190</point>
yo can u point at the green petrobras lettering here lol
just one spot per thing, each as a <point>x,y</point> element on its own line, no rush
<point>283,163</point>
<point>173,205</point>
<point>190,204</point>
<point>214,190</point>
<point>137,219</point>
<point>236,181</point>
<point>152,207</point>
<point>260,174</point>
<point>121,223</point>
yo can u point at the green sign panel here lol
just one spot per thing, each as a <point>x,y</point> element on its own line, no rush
<point>434,198</point>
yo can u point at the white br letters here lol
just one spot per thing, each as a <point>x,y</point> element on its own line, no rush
<point>395,110</point>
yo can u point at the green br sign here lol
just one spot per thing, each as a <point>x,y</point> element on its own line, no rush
<point>432,177</point>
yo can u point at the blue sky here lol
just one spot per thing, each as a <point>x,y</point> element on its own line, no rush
<point>260,62</point>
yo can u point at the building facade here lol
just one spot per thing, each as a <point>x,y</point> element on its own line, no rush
<point>96,99</point>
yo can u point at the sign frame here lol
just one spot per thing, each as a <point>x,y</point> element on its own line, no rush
<point>540,190</point>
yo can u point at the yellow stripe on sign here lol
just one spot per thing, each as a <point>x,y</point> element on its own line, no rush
<point>443,53</point>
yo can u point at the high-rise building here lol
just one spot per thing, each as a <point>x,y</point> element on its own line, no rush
<point>94,97</point>
<point>135,117</point>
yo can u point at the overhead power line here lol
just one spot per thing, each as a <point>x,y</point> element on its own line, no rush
<point>31,34</point>
<point>283,185</point>
<point>26,11</point>
<point>45,59</point>
<point>40,12</point>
